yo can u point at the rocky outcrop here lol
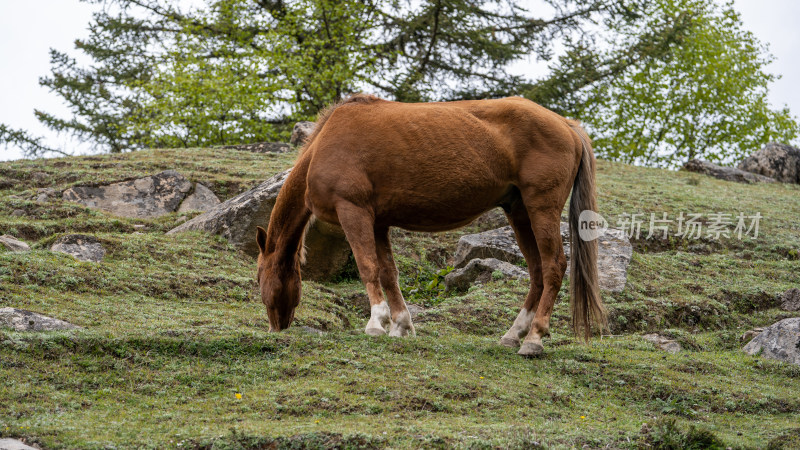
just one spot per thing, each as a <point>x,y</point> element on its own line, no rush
<point>663,343</point>
<point>481,271</point>
<point>779,341</point>
<point>614,254</point>
<point>262,147</point>
<point>146,197</point>
<point>301,132</point>
<point>725,173</point>
<point>202,199</point>
<point>498,244</point>
<point>778,161</point>
<point>45,195</point>
<point>22,320</point>
<point>13,244</point>
<point>790,300</point>
<point>237,219</point>
<point>82,247</point>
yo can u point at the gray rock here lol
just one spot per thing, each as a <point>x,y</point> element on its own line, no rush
<point>81,246</point>
<point>778,161</point>
<point>725,173</point>
<point>146,197</point>
<point>614,252</point>
<point>13,244</point>
<point>236,220</point>
<point>301,132</point>
<point>18,213</point>
<point>482,270</point>
<point>263,147</point>
<point>779,341</point>
<point>13,444</point>
<point>663,343</point>
<point>494,218</point>
<point>498,244</point>
<point>46,194</point>
<point>790,301</point>
<point>202,199</point>
<point>22,320</point>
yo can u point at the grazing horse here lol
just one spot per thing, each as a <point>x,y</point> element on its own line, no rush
<point>373,164</point>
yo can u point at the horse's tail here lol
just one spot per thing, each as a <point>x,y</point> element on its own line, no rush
<point>585,302</point>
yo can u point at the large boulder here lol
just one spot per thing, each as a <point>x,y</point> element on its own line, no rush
<point>237,218</point>
<point>13,244</point>
<point>482,270</point>
<point>22,320</point>
<point>80,246</point>
<point>202,199</point>
<point>778,161</point>
<point>725,173</point>
<point>146,197</point>
<point>779,341</point>
<point>498,244</point>
<point>301,132</point>
<point>614,254</point>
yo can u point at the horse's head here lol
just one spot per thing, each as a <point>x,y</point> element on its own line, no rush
<point>279,283</point>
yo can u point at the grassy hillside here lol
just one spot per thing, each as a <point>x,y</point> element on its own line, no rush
<point>175,351</point>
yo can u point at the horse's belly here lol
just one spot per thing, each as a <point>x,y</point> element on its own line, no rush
<point>432,210</point>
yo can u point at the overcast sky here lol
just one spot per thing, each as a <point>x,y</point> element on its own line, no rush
<point>28,29</point>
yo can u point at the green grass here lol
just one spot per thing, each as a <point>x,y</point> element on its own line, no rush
<point>173,330</point>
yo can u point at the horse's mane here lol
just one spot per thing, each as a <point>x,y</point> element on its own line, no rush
<point>326,112</point>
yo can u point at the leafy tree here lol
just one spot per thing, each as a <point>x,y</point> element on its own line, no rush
<point>656,81</point>
<point>706,97</point>
<point>242,70</point>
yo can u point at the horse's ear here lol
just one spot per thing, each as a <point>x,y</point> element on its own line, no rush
<point>261,238</point>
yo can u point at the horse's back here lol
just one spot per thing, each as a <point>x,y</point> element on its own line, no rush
<point>420,165</point>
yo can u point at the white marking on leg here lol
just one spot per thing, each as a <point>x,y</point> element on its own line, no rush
<point>402,326</point>
<point>520,328</point>
<point>379,317</point>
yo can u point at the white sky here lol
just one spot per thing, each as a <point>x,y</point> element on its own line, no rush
<point>28,29</point>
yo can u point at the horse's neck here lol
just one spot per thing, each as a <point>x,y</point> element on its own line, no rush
<point>290,216</point>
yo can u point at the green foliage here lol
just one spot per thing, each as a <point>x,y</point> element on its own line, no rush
<point>238,71</point>
<point>705,97</point>
<point>422,282</point>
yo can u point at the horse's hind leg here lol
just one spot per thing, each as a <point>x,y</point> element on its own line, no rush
<point>546,223</point>
<point>358,226</point>
<point>518,218</point>
<point>401,318</point>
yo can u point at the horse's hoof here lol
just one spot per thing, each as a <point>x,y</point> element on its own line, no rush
<point>509,342</point>
<point>530,349</point>
<point>375,331</point>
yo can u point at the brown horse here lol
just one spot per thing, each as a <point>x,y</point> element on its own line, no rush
<point>372,164</point>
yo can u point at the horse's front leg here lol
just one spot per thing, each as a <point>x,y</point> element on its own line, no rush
<point>401,319</point>
<point>358,226</point>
